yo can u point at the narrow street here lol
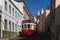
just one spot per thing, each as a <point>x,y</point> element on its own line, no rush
<point>29,19</point>
<point>38,36</point>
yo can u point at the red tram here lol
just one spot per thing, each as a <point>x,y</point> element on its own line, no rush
<point>28,28</point>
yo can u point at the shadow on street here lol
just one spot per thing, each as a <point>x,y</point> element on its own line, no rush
<point>38,36</point>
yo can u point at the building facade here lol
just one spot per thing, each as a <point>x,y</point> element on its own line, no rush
<point>47,20</point>
<point>40,20</point>
<point>23,8</point>
<point>55,12</point>
<point>10,19</point>
<point>44,18</point>
<point>0,19</point>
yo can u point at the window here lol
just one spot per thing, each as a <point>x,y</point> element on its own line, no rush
<point>31,25</point>
<point>5,27</point>
<point>9,25</point>
<point>20,17</point>
<point>5,24</point>
<point>13,11</point>
<point>13,26</point>
<point>9,9</point>
<point>5,5</point>
<point>28,25</point>
<point>34,26</point>
<point>22,25</point>
<point>25,26</point>
<point>16,14</point>
<point>0,19</point>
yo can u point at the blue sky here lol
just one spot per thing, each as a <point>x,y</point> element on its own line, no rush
<point>35,5</point>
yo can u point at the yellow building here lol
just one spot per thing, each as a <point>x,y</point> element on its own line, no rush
<point>44,20</point>
<point>47,19</point>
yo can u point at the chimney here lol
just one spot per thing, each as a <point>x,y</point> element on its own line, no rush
<point>42,11</point>
<point>38,13</point>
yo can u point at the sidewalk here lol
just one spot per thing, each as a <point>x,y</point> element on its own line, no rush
<point>4,38</point>
<point>7,38</point>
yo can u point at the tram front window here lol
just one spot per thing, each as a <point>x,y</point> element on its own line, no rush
<point>28,26</point>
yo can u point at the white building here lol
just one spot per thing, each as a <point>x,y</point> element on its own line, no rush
<point>23,8</point>
<point>10,18</point>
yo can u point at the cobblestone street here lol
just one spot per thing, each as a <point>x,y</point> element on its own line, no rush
<point>38,36</point>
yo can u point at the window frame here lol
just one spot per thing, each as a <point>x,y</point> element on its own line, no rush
<point>6,5</point>
<point>10,9</point>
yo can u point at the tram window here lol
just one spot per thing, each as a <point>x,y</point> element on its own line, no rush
<point>34,26</point>
<point>22,26</point>
<point>31,25</point>
<point>25,26</point>
<point>28,25</point>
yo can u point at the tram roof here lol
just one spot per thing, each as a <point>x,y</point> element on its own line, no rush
<point>27,21</point>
